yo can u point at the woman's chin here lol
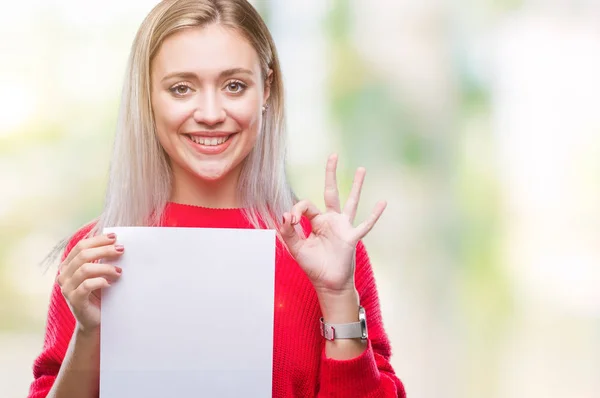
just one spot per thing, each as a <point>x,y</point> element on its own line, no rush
<point>211,174</point>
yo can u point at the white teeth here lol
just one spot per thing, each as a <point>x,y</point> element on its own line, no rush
<point>209,141</point>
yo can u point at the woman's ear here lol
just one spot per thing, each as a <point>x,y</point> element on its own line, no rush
<point>268,81</point>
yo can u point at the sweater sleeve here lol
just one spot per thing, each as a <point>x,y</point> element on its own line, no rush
<point>370,375</point>
<point>59,329</point>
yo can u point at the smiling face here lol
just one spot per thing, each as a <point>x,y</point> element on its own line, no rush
<point>207,97</point>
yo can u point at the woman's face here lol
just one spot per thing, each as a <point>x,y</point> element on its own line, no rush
<point>207,97</point>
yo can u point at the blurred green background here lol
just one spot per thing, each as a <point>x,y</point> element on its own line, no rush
<point>477,121</point>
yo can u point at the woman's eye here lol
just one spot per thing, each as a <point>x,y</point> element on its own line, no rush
<point>235,87</point>
<point>180,89</point>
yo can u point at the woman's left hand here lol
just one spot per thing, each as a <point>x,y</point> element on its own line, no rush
<point>327,254</point>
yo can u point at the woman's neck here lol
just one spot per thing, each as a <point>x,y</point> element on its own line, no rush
<point>191,190</point>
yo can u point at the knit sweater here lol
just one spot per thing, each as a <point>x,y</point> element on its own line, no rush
<point>300,365</point>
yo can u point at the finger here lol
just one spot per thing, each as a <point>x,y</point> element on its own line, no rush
<point>95,241</point>
<point>365,227</point>
<point>289,234</point>
<point>80,295</point>
<point>306,208</point>
<point>90,271</point>
<point>332,195</point>
<point>89,255</point>
<point>354,197</point>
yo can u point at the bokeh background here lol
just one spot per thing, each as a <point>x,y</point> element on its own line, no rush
<point>478,121</point>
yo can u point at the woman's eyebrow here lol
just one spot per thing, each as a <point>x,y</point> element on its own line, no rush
<point>235,71</point>
<point>190,75</point>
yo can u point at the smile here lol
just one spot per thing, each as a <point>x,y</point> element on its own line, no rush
<point>209,145</point>
<point>209,141</point>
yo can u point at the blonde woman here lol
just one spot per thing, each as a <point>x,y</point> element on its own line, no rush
<point>200,143</point>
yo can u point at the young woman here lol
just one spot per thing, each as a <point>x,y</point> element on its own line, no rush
<point>200,143</point>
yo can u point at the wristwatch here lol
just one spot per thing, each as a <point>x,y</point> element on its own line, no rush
<point>354,330</point>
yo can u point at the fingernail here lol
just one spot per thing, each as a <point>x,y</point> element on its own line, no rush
<point>111,236</point>
<point>119,248</point>
<point>118,269</point>
<point>293,220</point>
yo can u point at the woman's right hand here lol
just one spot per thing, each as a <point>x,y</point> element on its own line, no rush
<point>82,276</point>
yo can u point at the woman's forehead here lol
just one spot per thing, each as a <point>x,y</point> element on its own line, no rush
<point>205,51</point>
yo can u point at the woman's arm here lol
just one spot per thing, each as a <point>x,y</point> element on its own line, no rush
<point>69,364</point>
<point>68,357</point>
<point>352,368</point>
<point>328,248</point>
<point>80,370</point>
<point>342,309</point>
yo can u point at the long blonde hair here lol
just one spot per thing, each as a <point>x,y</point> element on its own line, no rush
<point>139,182</point>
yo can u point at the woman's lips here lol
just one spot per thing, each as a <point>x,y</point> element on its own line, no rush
<point>210,145</point>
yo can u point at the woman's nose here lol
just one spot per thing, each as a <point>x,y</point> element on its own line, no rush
<point>210,111</point>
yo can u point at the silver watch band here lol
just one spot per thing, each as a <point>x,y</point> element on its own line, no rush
<point>354,330</point>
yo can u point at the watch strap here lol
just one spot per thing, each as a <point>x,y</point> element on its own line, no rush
<point>341,331</point>
<point>353,330</point>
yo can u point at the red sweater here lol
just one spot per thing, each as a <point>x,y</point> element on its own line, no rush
<point>300,366</point>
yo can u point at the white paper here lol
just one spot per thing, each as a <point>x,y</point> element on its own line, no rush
<point>191,315</point>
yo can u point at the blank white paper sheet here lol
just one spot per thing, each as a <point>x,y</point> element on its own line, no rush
<point>191,315</point>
